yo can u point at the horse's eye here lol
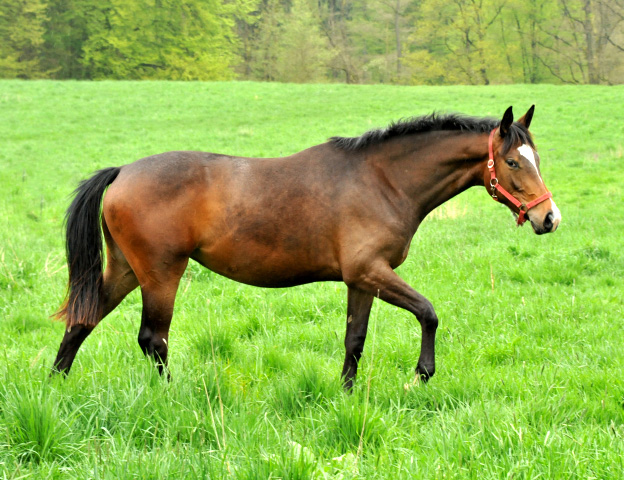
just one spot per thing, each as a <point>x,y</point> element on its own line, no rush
<point>512,163</point>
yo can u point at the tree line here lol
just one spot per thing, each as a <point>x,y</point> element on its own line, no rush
<point>433,42</point>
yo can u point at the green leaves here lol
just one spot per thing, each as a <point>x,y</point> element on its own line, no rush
<point>21,38</point>
<point>354,41</point>
<point>148,39</point>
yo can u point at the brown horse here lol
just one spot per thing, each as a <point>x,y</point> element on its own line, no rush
<point>345,210</point>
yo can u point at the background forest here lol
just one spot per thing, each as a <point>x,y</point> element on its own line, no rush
<point>352,41</point>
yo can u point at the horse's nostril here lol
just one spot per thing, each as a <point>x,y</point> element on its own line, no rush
<point>548,221</point>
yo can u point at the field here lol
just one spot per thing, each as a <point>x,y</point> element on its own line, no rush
<point>530,349</point>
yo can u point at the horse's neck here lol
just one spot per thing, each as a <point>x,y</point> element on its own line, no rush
<point>437,167</point>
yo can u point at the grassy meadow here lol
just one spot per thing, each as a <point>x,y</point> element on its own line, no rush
<point>530,349</point>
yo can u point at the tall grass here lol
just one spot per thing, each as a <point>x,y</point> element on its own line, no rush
<point>530,359</point>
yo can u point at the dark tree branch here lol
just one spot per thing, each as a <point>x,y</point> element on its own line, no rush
<point>553,73</point>
<point>614,11</point>
<point>568,14</point>
<point>498,11</point>
<point>614,44</point>
<point>559,52</point>
<point>556,37</point>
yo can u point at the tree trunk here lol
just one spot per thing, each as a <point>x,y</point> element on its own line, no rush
<point>590,53</point>
<point>397,32</point>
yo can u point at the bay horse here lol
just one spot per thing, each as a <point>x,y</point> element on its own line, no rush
<point>345,210</point>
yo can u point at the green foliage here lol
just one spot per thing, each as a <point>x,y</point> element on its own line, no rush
<point>66,31</point>
<point>21,38</point>
<point>264,56</point>
<point>303,50</point>
<point>459,31</point>
<point>529,349</point>
<point>288,46</point>
<point>153,39</point>
<point>431,42</point>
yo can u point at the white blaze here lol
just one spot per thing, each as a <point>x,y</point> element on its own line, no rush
<point>527,152</point>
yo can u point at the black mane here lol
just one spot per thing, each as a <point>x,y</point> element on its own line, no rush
<point>433,122</point>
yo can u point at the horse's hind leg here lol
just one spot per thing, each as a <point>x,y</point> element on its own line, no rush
<point>159,284</point>
<point>72,340</point>
<point>358,310</point>
<point>118,281</point>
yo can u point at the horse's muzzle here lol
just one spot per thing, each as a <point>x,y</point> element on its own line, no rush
<point>549,225</point>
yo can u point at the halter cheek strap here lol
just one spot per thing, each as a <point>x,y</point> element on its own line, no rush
<point>495,186</point>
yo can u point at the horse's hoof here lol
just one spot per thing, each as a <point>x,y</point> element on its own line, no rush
<point>348,386</point>
<point>424,373</point>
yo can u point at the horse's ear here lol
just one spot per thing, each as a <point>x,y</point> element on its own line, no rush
<point>527,117</point>
<point>506,122</point>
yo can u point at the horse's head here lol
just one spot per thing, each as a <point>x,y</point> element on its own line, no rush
<point>514,177</point>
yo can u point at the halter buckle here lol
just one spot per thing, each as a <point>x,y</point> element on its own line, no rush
<point>493,183</point>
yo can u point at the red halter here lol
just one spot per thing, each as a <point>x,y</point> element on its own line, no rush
<point>494,185</point>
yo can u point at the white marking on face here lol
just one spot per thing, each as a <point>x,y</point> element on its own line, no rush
<point>556,214</point>
<point>527,152</point>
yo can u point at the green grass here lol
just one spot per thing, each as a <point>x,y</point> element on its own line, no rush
<point>530,347</point>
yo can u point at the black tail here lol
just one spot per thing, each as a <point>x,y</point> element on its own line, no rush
<point>85,251</point>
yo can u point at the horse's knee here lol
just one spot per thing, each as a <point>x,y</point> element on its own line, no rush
<point>432,323</point>
<point>428,317</point>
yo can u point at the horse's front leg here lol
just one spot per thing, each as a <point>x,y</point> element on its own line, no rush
<point>380,280</point>
<point>358,310</point>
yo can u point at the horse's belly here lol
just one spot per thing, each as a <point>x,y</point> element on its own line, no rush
<point>268,267</point>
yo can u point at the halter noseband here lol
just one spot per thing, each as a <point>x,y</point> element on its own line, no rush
<point>494,185</point>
